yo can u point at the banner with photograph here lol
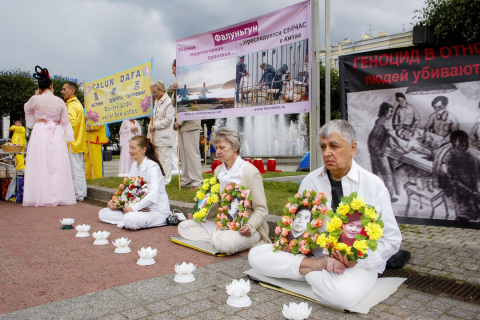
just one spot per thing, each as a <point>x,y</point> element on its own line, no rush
<point>416,112</point>
<point>119,96</point>
<point>256,67</point>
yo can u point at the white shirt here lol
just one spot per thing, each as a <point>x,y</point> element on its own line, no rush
<point>156,198</point>
<point>372,190</point>
<point>234,175</point>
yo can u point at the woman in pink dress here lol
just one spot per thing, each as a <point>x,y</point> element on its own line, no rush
<point>48,179</point>
<point>128,130</point>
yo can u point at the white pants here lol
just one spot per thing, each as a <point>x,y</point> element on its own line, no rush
<point>225,241</point>
<point>175,158</point>
<point>165,157</point>
<point>341,290</point>
<point>133,220</point>
<point>78,174</point>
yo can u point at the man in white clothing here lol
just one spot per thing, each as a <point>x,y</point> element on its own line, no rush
<point>336,280</point>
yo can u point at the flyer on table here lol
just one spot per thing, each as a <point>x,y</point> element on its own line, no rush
<point>255,67</point>
<point>119,96</point>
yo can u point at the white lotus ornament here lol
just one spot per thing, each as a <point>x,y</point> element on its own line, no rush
<point>146,256</point>
<point>101,237</point>
<point>184,272</point>
<point>237,291</point>
<point>82,230</point>
<point>67,223</point>
<point>296,311</point>
<point>121,245</point>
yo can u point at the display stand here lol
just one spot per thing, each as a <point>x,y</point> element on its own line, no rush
<point>9,160</point>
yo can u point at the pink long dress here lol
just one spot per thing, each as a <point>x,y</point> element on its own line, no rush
<point>48,178</point>
<point>126,135</point>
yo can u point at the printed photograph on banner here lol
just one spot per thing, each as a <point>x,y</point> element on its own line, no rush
<point>206,86</point>
<point>424,143</point>
<point>273,76</point>
<point>300,223</point>
<point>119,96</point>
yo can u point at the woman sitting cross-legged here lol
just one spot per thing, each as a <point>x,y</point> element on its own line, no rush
<point>233,170</point>
<point>154,208</point>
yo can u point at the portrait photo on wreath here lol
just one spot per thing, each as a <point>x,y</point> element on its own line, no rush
<point>424,143</point>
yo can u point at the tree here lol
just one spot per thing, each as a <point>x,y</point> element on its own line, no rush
<point>451,20</point>
<point>334,94</point>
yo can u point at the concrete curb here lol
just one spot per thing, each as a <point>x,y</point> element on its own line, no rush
<point>102,195</point>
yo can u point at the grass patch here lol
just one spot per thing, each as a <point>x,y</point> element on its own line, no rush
<point>116,157</point>
<point>276,192</point>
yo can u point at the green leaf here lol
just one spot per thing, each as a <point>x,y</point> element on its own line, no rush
<point>360,237</point>
<point>372,244</point>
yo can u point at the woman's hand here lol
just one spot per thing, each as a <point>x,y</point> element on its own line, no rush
<point>111,205</point>
<point>245,231</point>
<point>343,259</point>
<point>127,209</point>
<point>175,86</point>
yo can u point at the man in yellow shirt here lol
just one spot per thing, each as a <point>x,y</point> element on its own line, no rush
<point>96,136</point>
<point>77,148</point>
<point>19,138</point>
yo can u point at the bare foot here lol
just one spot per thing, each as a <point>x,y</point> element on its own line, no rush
<point>318,264</point>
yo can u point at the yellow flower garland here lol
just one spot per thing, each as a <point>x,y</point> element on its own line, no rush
<point>205,197</point>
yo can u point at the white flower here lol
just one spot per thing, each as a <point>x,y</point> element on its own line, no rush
<point>296,311</point>
<point>82,228</point>
<point>100,235</point>
<point>238,288</point>
<point>121,242</point>
<point>185,268</point>
<point>67,221</point>
<point>147,253</point>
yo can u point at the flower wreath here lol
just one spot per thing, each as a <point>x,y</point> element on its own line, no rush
<point>130,192</point>
<point>205,197</point>
<point>315,202</point>
<point>245,199</point>
<point>370,221</point>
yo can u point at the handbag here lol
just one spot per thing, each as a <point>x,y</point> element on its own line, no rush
<point>176,216</point>
<point>4,184</point>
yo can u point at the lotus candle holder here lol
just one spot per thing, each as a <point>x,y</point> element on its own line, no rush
<point>121,245</point>
<point>146,256</point>
<point>296,311</point>
<point>67,223</point>
<point>82,230</point>
<point>101,237</point>
<point>237,292</point>
<point>184,272</point>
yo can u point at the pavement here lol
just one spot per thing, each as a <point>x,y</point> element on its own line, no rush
<point>48,273</point>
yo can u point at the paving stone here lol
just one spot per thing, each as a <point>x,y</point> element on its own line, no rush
<point>469,266</point>
<point>162,316</point>
<point>158,307</point>
<point>409,303</point>
<point>464,311</point>
<point>116,316</point>
<point>136,313</point>
<point>442,304</point>
<point>401,311</point>
<point>211,314</point>
<point>183,311</point>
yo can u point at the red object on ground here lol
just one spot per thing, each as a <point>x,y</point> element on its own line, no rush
<point>248,160</point>
<point>257,162</point>
<point>215,164</point>
<point>271,165</point>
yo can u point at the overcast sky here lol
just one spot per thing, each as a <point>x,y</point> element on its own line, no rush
<point>88,39</point>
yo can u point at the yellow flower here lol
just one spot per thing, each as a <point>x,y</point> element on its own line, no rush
<point>200,214</point>
<point>209,200</point>
<point>374,231</point>
<point>215,198</point>
<point>215,188</point>
<point>200,195</point>
<point>357,203</point>
<point>206,180</point>
<point>361,245</point>
<point>340,246</point>
<point>213,180</point>
<point>322,240</point>
<point>332,239</point>
<point>204,211</point>
<point>334,223</point>
<point>206,186</point>
<point>371,213</point>
<point>343,209</point>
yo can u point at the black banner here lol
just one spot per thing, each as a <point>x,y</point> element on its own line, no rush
<point>416,112</point>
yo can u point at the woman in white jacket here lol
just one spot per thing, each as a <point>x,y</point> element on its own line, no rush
<point>154,208</point>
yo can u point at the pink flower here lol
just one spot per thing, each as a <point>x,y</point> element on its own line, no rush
<point>231,225</point>
<point>285,232</point>
<point>218,216</point>
<point>316,201</point>
<point>244,193</point>
<point>288,205</point>
<point>286,220</point>
<point>237,225</point>
<point>283,241</point>
<point>246,203</point>
<point>277,243</point>
<point>314,208</point>
<point>315,237</point>
<point>237,186</point>
<point>229,198</point>
<point>246,214</point>
<point>219,224</point>
<point>306,235</point>
<point>323,209</point>
<point>278,230</point>
<point>229,187</point>
<point>307,194</point>
<point>317,223</point>
<point>121,186</point>
<point>223,216</point>
<point>292,244</point>
<point>305,202</point>
<point>298,195</point>
<point>302,243</point>
<point>292,210</point>
<point>304,250</point>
